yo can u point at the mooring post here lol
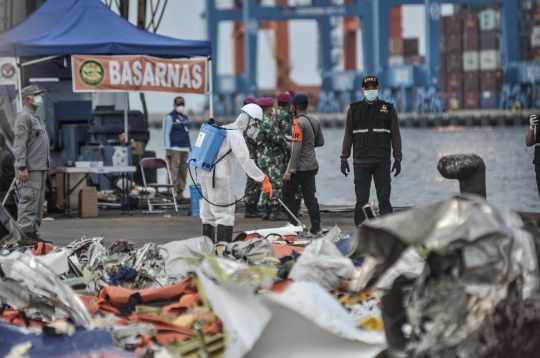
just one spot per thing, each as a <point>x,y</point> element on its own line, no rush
<point>468,169</point>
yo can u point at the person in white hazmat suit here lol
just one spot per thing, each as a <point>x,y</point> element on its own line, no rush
<point>218,215</point>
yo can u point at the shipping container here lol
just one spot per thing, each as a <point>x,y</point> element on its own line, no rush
<point>489,60</point>
<point>471,100</point>
<point>524,44</point>
<point>471,22</point>
<point>471,82</point>
<point>396,46</point>
<point>396,60</point>
<point>490,20</point>
<point>454,43</point>
<point>490,80</point>
<point>489,100</point>
<point>535,37</point>
<point>414,60</point>
<point>471,41</point>
<point>489,40</point>
<point>525,26</point>
<point>535,15</point>
<point>454,82</point>
<point>442,44</point>
<point>525,4</point>
<point>454,62</point>
<point>454,100</point>
<point>410,47</point>
<point>471,61</point>
<point>444,81</point>
<point>452,25</point>
<point>534,54</point>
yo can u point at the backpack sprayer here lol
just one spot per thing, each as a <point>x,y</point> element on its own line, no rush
<point>204,152</point>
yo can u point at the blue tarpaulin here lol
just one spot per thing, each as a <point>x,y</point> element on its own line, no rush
<point>88,27</point>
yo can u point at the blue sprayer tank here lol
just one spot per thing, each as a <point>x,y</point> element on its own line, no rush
<point>205,150</point>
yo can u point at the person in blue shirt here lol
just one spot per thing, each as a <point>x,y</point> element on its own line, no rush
<point>177,145</point>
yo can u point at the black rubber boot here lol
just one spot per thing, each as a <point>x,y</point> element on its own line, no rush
<point>299,206</point>
<point>277,214</point>
<point>266,213</point>
<point>252,212</point>
<point>209,231</point>
<point>224,233</point>
<point>32,239</point>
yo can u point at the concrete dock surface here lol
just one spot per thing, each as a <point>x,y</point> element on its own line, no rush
<point>161,228</point>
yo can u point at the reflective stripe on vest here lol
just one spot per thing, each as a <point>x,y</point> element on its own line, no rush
<point>381,130</point>
<point>360,131</point>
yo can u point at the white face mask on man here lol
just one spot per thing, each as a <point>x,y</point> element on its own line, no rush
<point>180,109</point>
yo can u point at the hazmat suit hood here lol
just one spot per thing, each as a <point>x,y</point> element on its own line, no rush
<point>241,122</point>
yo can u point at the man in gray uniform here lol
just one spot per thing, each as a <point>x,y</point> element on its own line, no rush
<point>31,148</point>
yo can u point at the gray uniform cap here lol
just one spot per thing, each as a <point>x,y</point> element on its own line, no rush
<point>30,90</point>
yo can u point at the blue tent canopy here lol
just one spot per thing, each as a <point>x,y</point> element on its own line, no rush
<point>88,27</point>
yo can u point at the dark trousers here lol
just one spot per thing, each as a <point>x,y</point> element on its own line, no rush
<point>307,181</point>
<point>363,173</point>
<point>538,181</point>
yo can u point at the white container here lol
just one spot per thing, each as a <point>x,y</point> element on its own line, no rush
<point>471,61</point>
<point>535,37</point>
<point>396,60</point>
<point>489,60</point>
<point>490,20</point>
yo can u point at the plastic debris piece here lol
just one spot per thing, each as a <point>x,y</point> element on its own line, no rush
<point>322,263</point>
<point>178,254</point>
<point>372,324</point>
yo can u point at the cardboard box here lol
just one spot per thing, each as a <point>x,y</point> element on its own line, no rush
<point>88,203</point>
<point>73,179</point>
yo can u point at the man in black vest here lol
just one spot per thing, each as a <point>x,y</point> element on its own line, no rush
<point>531,139</point>
<point>372,129</point>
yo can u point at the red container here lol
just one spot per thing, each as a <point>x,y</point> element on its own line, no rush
<point>471,82</point>
<point>410,47</point>
<point>454,43</point>
<point>454,62</point>
<point>452,25</point>
<point>534,54</point>
<point>471,22</point>
<point>442,44</point>
<point>444,80</point>
<point>396,46</point>
<point>490,80</point>
<point>455,82</point>
<point>471,41</point>
<point>471,100</point>
<point>451,98</point>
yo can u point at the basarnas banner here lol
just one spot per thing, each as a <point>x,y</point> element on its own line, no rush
<point>138,74</point>
<point>8,71</point>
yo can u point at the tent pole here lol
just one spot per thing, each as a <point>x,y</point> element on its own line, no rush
<point>210,87</point>
<point>44,59</point>
<point>126,118</point>
<point>19,85</point>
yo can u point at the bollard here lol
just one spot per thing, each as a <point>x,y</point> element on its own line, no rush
<point>195,200</point>
<point>468,169</point>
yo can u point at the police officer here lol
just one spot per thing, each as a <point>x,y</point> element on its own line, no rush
<point>252,192</point>
<point>271,148</point>
<point>372,129</point>
<point>285,125</point>
<point>31,148</point>
<point>533,139</point>
<point>177,145</point>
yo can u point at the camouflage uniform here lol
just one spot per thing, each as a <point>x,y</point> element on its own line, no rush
<point>253,189</point>
<point>285,125</point>
<point>271,149</point>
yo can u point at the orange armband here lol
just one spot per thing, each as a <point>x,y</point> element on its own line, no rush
<point>297,134</point>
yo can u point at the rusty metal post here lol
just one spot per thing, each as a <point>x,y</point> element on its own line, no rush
<point>468,169</point>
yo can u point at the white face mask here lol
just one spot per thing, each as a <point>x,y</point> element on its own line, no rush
<point>180,109</point>
<point>253,128</point>
<point>273,112</point>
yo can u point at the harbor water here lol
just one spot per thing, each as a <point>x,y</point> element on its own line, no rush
<point>510,175</point>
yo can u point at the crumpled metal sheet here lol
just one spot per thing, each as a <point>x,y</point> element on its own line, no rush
<point>252,250</point>
<point>41,280</point>
<point>322,263</point>
<point>57,261</point>
<point>177,254</point>
<point>480,286</point>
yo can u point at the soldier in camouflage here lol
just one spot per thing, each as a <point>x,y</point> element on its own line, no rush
<point>285,125</point>
<point>271,151</point>
<point>252,193</point>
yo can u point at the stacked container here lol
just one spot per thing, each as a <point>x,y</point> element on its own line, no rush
<point>529,29</point>
<point>404,52</point>
<point>490,66</point>
<point>470,68</point>
<point>451,60</point>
